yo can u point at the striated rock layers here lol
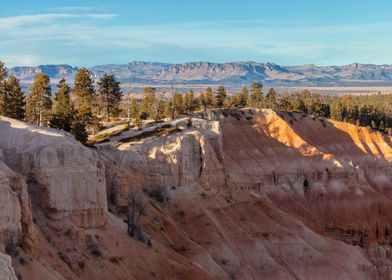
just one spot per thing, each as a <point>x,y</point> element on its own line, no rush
<point>245,193</point>
<point>66,179</point>
<point>230,194</point>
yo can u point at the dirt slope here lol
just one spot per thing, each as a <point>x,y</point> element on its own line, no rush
<point>239,194</point>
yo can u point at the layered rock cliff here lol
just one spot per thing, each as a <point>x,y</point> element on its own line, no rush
<point>284,195</point>
<point>228,194</point>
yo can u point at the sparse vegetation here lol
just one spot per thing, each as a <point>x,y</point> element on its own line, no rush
<point>105,136</point>
<point>136,209</point>
<point>91,104</point>
<point>157,193</point>
<point>159,131</point>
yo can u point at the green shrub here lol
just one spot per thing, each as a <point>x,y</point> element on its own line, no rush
<point>159,131</point>
<point>105,136</point>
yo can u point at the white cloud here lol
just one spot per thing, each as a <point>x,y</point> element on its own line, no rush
<point>100,16</point>
<point>17,21</point>
<point>82,38</point>
<point>73,8</point>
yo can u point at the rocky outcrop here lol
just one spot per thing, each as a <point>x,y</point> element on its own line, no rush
<point>6,270</point>
<point>65,179</point>
<point>238,194</point>
<point>10,212</point>
<point>283,195</point>
<point>16,214</point>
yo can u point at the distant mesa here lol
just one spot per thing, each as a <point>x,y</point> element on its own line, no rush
<point>233,73</point>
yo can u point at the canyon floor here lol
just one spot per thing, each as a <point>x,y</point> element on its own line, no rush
<point>222,194</point>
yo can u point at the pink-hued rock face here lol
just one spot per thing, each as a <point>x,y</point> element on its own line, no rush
<point>273,194</point>
<point>241,194</point>
<point>66,178</point>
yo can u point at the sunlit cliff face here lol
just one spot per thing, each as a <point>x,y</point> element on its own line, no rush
<point>238,194</point>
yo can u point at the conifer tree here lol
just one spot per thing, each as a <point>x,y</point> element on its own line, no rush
<point>244,96</point>
<point>133,108</point>
<point>285,103</point>
<point>62,111</point>
<point>3,76</point>
<point>148,102</point>
<point>256,95</point>
<point>12,99</point>
<point>169,108</point>
<point>297,104</point>
<point>158,108</point>
<point>78,130</point>
<point>270,99</point>
<point>178,103</point>
<point>209,98</point>
<point>337,110</point>
<point>220,96</point>
<point>84,92</point>
<point>190,102</point>
<point>203,101</point>
<point>39,102</point>
<point>193,104</point>
<point>109,95</point>
<point>3,71</point>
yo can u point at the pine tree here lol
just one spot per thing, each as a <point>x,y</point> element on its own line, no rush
<point>220,96</point>
<point>39,102</point>
<point>193,104</point>
<point>85,100</point>
<point>134,108</point>
<point>78,130</point>
<point>187,103</point>
<point>148,102</point>
<point>337,110</point>
<point>12,99</point>
<point>297,104</point>
<point>285,103</point>
<point>109,95</point>
<point>158,107</point>
<point>256,95</point>
<point>178,103</point>
<point>169,108</point>
<point>244,96</point>
<point>3,76</point>
<point>190,102</point>
<point>3,71</point>
<point>209,98</point>
<point>62,111</point>
<point>270,99</point>
<point>203,101</point>
<point>364,113</point>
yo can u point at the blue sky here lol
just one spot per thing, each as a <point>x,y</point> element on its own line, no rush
<point>87,33</point>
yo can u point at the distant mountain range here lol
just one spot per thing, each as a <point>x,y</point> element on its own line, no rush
<point>234,73</point>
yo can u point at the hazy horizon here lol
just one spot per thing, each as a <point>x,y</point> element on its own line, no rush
<point>212,62</point>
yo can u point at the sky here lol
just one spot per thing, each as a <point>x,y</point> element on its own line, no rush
<point>88,33</point>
